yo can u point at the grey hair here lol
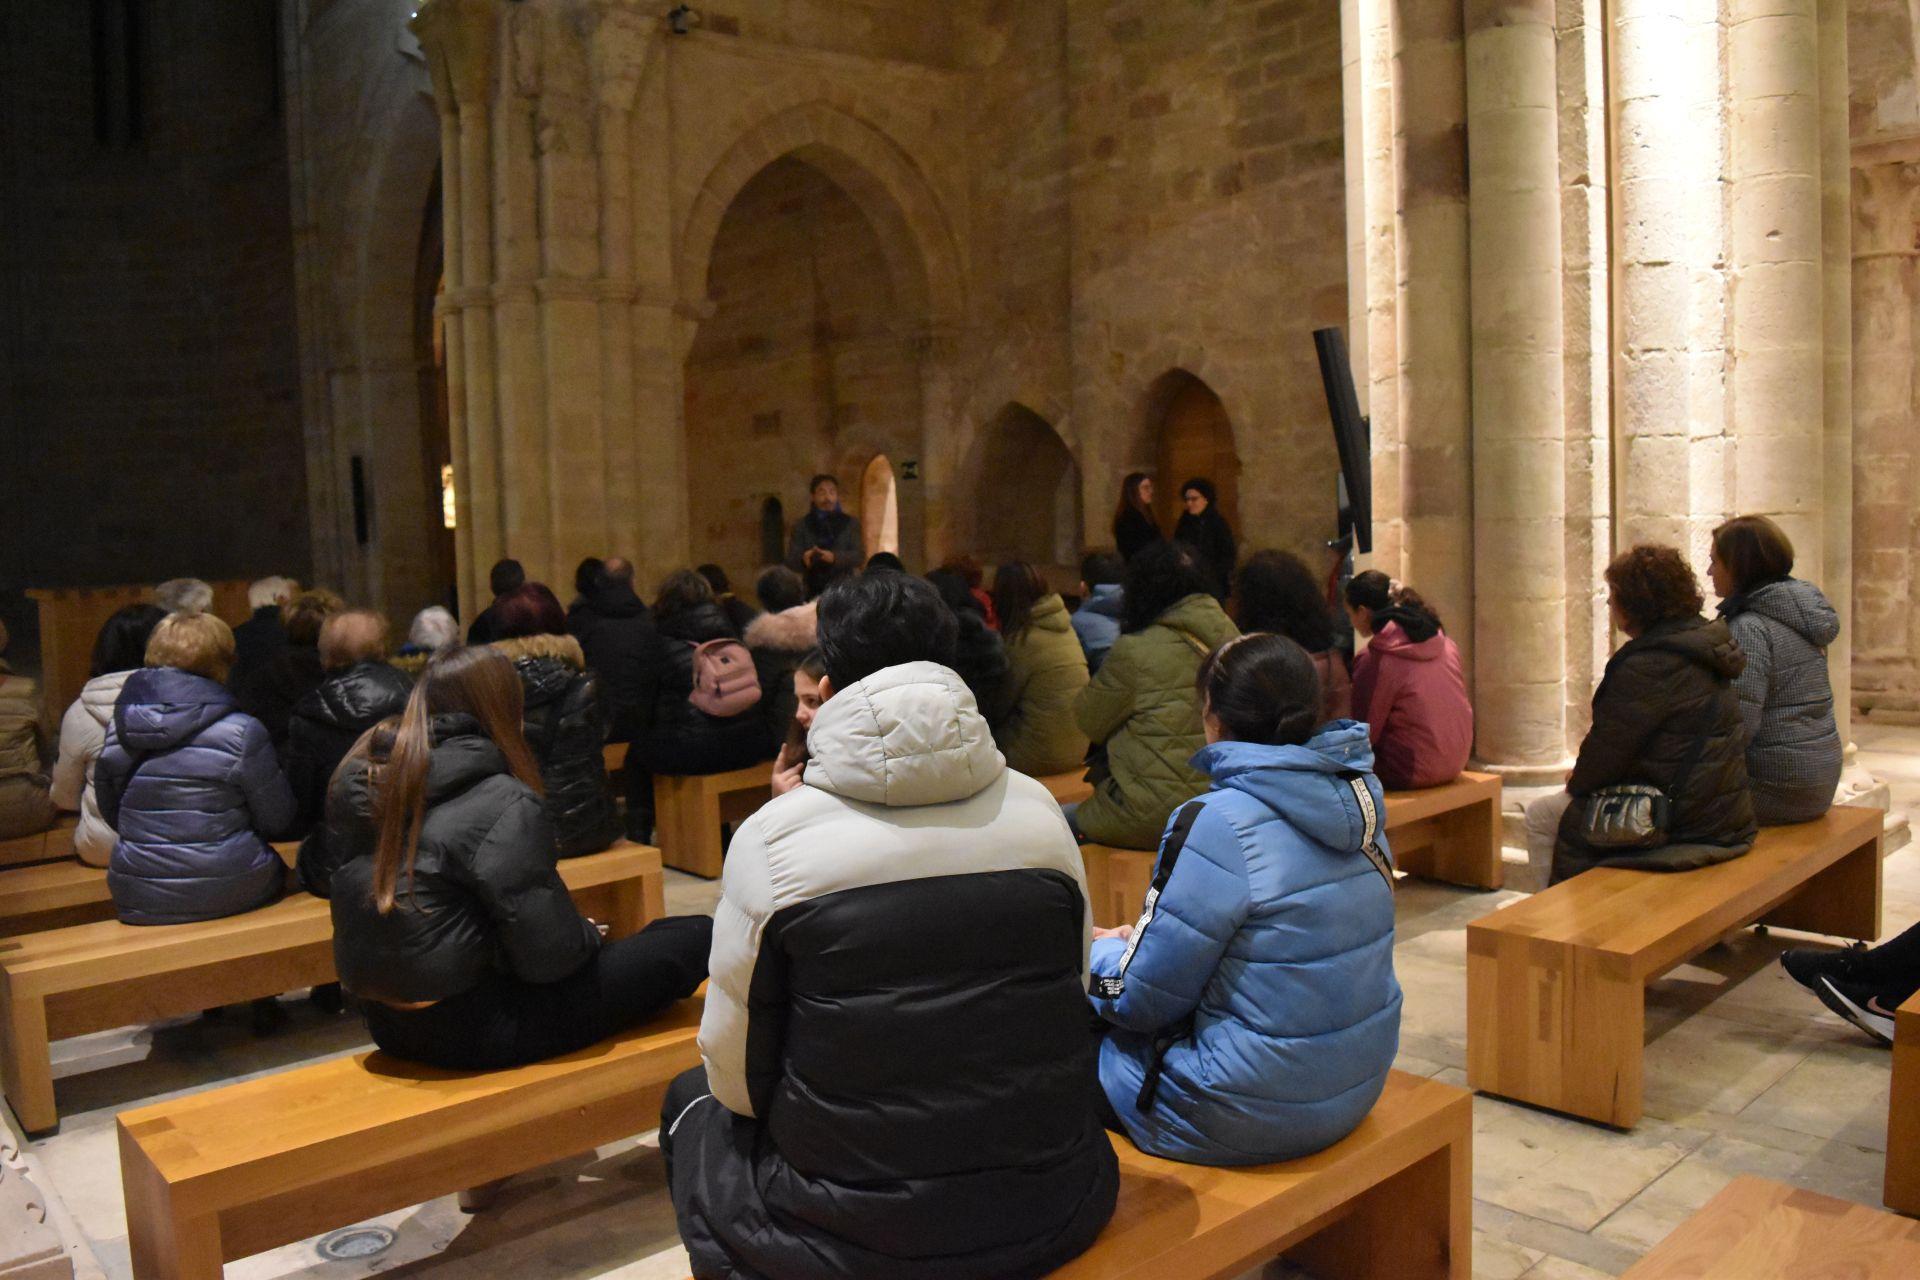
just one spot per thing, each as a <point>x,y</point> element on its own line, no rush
<point>183,595</point>
<point>433,629</point>
<point>267,592</point>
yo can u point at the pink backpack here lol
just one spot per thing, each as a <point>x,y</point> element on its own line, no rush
<point>724,680</point>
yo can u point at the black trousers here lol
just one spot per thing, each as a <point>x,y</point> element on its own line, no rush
<point>505,1022</point>
<point>1894,967</point>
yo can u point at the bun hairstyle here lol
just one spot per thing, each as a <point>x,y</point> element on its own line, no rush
<point>1262,688</point>
<point>1375,592</point>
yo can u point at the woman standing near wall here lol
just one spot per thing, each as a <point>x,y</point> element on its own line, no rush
<point>1206,531</point>
<point>1134,528</point>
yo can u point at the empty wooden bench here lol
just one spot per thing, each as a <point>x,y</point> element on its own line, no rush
<point>236,1170</point>
<point>57,842</point>
<point>1450,833</point>
<point>688,812</point>
<point>1903,1112</point>
<point>1556,983</point>
<point>1760,1230</point>
<point>91,977</point>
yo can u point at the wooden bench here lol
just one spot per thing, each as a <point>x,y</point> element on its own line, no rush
<point>1903,1112</point>
<point>53,895</point>
<point>91,977</point>
<point>236,1170</point>
<point>688,811</point>
<point>1556,983</point>
<point>1450,833</point>
<point>1068,788</point>
<point>41,846</point>
<point>1760,1230</point>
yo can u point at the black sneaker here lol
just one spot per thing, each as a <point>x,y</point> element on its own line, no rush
<point>1859,1005</point>
<point>1807,965</point>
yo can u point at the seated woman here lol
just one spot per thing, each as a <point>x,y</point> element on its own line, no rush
<point>1143,708</point>
<point>1784,626</point>
<point>789,767</point>
<point>1408,686</point>
<point>565,717</point>
<point>1254,1013</point>
<point>1665,716</point>
<point>778,639</point>
<point>359,691</point>
<point>980,655</point>
<point>1046,670</point>
<point>118,651</point>
<point>433,628</point>
<point>449,920</point>
<point>26,800</point>
<point>1275,591</point>
<point>191,784</point>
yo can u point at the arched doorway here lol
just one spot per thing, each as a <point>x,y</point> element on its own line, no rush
<point>807,364</point>
<point>1190,435</point>
<point>880,507</point>
<point>773,531</point>
<point>1026,497</point>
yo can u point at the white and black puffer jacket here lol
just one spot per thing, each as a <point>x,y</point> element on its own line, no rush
<point>897,1014</point>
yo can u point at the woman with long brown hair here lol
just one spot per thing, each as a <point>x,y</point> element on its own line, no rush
<point>449,920</point>
<point>1134,526</point>
<point>1046,672</point>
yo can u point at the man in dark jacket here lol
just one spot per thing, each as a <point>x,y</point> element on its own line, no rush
<point>503,578</point>
<point>359,691</point>
<point>260,637</point>
<point>1665,715</point>
<point>897,1075</point>
<point>616,635</point>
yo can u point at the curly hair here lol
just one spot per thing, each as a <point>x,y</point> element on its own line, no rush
<point>1653,584</point>
<point>1275,591</point>
<point>1158,578</point>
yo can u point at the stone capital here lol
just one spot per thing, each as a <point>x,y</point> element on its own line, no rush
<point>621,49</point>
<point>460,39</point>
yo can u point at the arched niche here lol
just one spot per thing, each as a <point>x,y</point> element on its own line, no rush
<point>1027,493</point>
<point>1189,435</point>
<point>773,530</point>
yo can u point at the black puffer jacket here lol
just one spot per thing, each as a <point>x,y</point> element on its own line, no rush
<point>325,725</point>
<point>779,641</point>
<point>678,738</point>
<point>484,896</point>
<point>1666,715</point>
<point>566,725</point>
<point>615,631</point>
<point>276,687</point>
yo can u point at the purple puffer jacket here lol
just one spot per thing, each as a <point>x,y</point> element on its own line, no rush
<point>193,788</point>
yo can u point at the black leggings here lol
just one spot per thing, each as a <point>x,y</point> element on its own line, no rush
<point>505,1022</point>
<point>1894,967</point>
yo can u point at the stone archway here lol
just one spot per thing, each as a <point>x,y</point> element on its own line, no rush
<point>1027,494</point>
<point>1189,434</point>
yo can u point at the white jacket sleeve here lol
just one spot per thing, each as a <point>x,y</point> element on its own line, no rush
<point>81,737</point>
<point>740,1038</point>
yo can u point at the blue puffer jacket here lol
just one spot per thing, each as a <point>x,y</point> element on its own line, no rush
<point>1273,932</point>
<point>192,785</point>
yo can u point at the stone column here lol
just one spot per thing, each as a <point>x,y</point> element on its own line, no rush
<point>1431,330</point>
<point>1776,381</point>
<point>666,314</point>
<point>1836,234</point>
<point>1373,341</point>
<point>1519,427</point>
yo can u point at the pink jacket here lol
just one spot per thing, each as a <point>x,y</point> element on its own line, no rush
<point>1413,697</point>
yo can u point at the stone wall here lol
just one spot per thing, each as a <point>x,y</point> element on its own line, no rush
<point>149,388</point>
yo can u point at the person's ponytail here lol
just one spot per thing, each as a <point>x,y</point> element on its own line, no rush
<point>400,800</point>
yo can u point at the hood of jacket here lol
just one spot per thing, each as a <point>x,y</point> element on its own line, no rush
<point>1703,643</point>
<point>1393,638</point>
<point>905,736</point>
<point>698,624</point>
<point>794,630</point>
<point>1050,614</point>
<point>100,695</point>
<point>616,601</point>
<point>162,707</point>
<point>1199,614</point>
<point>363,693</point>
<point>547,664</point>
<point>1792,603</point>
<point>1108,600</point>
<point>1415,626</point>
<point>462,756</point>
<point>1295,781</point>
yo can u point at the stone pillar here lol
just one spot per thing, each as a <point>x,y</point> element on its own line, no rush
<point>1431,330</point>
<point>1519,427</point>
<point>666,314</point>
<point>619,50</point>
<point>1374,339</point>
<point>1776,380</point>
<point>1836,234</point>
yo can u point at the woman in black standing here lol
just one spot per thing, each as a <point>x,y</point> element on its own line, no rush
<point>1206,531</point>
<point>1134,528</point>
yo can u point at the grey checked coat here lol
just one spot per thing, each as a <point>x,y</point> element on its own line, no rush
<point>1786,700</point>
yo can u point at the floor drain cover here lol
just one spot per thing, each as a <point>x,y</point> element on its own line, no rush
<point>356,1242</point>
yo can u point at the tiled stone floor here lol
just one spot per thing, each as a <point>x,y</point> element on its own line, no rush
<point>1745,1074</point>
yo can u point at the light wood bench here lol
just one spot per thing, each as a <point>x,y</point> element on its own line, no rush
<point>1903,1112</point>
<point>236,1170</point>
<point>41,846</point>
<point>613,758</point>
<point>688,811</point>
<point>91,977</point>
<point>53,895</point>
<point>1556,983</point>
<point>1391,1201</point>
<point>1068,788</point>
<point>1450,833</point>
<point>1760,1230</point>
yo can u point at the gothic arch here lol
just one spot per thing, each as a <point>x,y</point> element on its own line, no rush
<point>895,196</point>
<point>1186,431</point>
<point>1027,491</point>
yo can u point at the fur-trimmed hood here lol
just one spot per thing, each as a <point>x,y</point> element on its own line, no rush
<point>564,648</point>
<point>794,630</point>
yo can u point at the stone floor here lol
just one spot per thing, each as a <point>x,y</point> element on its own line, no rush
<point>1745,1074</point>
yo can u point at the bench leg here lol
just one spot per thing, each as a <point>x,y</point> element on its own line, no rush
<point>1903,1118</point>
<point>26,1063</point>
<point>1117,881</point>
<point>687,825</point>
<point>164,1245</point>
<point>1843,901</point>
<point>1417,1225</point>
<point>1555,1026</point>
<point>1466,848</point>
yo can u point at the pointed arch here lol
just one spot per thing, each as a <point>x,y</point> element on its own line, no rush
<point>1027,497</point>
